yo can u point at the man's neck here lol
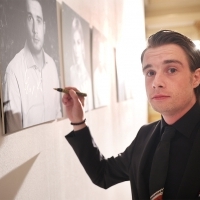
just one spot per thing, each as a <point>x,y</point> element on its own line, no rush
<point>39,59</point>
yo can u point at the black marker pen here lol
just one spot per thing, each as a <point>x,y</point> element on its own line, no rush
<point>67,91</point>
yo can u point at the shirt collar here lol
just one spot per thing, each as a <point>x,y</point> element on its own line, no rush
<point>29,58</point>
<point>187,123</point>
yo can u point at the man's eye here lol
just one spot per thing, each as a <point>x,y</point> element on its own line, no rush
<point>29,18</point>
<point>172,70</point>
<point>150,73</point>
<point>39,21</point>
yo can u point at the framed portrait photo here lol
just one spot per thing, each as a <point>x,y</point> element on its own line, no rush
<point>76,53</point>
<point>100,69</point>
<point>29,63</point>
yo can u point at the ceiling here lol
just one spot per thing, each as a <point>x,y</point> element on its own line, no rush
<point>178,15</point>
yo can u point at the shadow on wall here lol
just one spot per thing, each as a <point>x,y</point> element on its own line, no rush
<point>3,132</point>
<point>11,182</point>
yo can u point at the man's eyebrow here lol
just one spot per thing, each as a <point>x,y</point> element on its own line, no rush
<point>146,67</point>
<point>29,13</point>
<point>172,61</point>
<point>38,17</point>
<point>164,62</point>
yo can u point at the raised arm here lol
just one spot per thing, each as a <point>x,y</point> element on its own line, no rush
<point>103,172</point>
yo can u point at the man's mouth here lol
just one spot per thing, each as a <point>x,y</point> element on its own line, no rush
<point>36,40</point>
<point>160,97</point>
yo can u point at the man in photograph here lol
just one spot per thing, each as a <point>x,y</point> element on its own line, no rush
<point>30,77</point>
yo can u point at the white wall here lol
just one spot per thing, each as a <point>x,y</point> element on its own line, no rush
<point>37,163</point>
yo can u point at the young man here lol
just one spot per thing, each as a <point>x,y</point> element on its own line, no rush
<point>170,65</point>
<point>29,98</point>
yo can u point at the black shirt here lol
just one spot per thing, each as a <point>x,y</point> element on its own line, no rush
<point>181,145</point>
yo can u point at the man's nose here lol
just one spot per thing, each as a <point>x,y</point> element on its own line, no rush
<point>35,28</point>
<point>158,81</point>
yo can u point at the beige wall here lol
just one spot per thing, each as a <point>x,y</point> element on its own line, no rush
<point>37,163</point>
<point>180,15</point>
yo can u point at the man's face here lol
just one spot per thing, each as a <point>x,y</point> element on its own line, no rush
<point>35,26</point>
<point>169,82</point>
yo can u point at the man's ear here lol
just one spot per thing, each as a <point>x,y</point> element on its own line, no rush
<point>196,78</point>
<point>44,27</point>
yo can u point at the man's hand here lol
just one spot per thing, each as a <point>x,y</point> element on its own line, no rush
<point>74,107</point>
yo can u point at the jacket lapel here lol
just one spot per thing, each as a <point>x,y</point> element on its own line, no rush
<point>143,186</point>
<point>190,184</point>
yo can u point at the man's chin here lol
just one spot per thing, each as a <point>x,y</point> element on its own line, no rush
<point>36,49</point>
<point>159,109</point>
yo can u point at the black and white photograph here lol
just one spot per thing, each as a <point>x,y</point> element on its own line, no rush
<point>76,53</point>
<point>101,81</point>
<point>29,63</point>
<point>124,77</point>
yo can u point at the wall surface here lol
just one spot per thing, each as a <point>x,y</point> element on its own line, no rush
<point>180,15</point>
<point>37,163</point>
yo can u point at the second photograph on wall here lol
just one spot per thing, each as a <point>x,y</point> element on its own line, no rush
<point>100,60</point>
<point>29,63</point>
<point>77,53</point>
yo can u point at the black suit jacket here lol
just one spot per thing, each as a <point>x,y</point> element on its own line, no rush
<point>134,163</point>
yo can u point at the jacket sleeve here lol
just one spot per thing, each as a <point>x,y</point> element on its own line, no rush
<point>103,172</point>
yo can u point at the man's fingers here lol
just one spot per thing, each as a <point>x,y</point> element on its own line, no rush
<point>66,99</point>
<point>72,97</point>
<point>75,97</point>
